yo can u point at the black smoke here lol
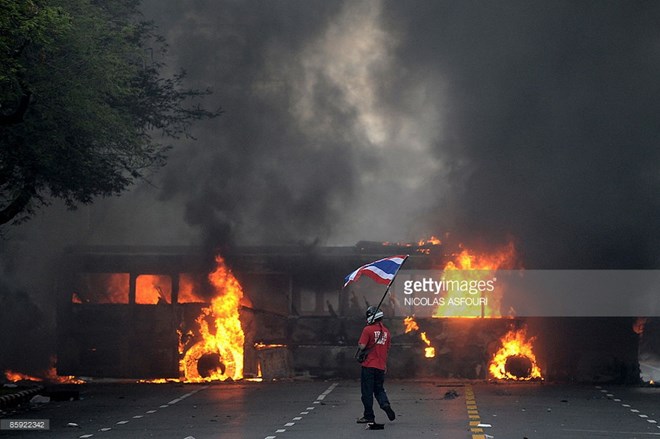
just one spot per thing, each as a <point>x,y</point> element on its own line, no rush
<point>551,124</point>
<point>525,121</point>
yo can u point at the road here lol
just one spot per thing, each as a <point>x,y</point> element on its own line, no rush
<point>328,409</point>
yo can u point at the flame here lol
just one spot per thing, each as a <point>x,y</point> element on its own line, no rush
<point>222,339</point>
<point>189,287</point>
<point>411,325</point>
<point>514,344</point>
<point>96,288</point>
<point>152,289</point>
<point>472,266</point>
<point>12,376</point>
<point>49,375</point>
<point>638,326</point>
<point>433,240</point>
<point>429,351</point>
<point>53,377</point>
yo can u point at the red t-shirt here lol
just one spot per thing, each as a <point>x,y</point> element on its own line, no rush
<point>378,355</point>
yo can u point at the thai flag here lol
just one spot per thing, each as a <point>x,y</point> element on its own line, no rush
<point>382,270</point>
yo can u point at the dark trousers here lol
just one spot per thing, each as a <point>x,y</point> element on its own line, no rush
<point>372,380</point>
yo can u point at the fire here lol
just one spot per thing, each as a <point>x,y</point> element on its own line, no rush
<point>188,289</point>
<point>222,338</point>
<point>49,375</point>
<point>471,266</point>
<point>431,241</point>
<point>429,351</point>
<point>638,326</point>
<point>411,325</point>
<point>515,360</point>
<point>152,289</point>
<point>12,376</point>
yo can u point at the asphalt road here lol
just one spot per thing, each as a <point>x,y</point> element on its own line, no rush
<point>328,409</point>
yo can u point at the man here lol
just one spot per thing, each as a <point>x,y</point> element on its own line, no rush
<point>376,338</point>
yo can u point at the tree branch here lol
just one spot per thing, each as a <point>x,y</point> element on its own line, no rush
<point>17,206</point>
<point>17,116</point>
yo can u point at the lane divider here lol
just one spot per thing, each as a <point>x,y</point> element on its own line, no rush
<point>476,426</point>
<point>295,419</point>
<point>148,412</point>
<point>632,410</point>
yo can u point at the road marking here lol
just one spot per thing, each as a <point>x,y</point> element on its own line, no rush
<point>174,401</point>
<point>632,410</point>
<point>85,436</point>
<point>476,427</point>
<point>318,400</point>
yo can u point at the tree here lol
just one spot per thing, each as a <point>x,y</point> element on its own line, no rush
<point>84,109</point>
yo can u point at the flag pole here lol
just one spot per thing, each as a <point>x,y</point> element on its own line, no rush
<point>391,282</point>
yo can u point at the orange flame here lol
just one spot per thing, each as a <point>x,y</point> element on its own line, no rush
<point>222,339</point>
<point>12,376</point>
<point>638,326</point>
<point>477,267</point>
<point>49,375</point>
<point>514,344</point>
<point>433,240</point>
<point>411,325</point>
<point>152,289</point>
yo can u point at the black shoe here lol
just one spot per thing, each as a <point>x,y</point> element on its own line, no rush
<point>390,413</point>
<point>364,421</point>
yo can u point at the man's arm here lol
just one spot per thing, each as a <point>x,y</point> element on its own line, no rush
<point>364,339</point>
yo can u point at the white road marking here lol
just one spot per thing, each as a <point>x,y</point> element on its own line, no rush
<point>299,418</point>
<point>632,410</point>
<point>122,422</point>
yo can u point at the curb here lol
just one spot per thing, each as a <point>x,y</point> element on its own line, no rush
<point>18,397</point>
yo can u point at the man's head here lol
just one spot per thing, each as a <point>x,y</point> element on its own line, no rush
<point>374,315</point>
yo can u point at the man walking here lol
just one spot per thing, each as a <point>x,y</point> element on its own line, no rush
<point>375,338</point>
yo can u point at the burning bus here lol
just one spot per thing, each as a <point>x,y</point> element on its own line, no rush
<point>172,313</point>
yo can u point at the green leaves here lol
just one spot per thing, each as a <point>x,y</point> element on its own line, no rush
<point>80,96</point>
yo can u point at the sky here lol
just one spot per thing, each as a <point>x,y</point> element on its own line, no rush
<point>532,122</point>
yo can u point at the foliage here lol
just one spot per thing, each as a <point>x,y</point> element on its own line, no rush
<point>84,108</point>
